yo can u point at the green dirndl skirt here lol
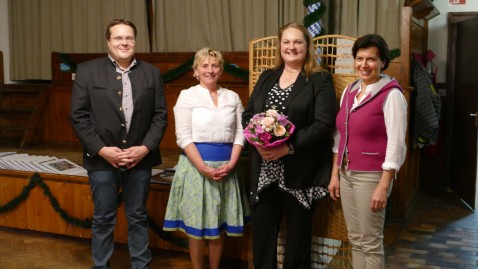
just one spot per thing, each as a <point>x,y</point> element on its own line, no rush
<point>203,208</point>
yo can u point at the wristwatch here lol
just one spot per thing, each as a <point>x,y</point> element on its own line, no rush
<point>291,149</point>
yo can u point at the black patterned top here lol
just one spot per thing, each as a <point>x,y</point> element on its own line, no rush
<point>273,171</point>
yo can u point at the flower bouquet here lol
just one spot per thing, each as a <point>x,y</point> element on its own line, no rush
<point>268,129</point>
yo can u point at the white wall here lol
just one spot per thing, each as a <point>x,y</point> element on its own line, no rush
<point>5,39</point>
<point>438,32</point>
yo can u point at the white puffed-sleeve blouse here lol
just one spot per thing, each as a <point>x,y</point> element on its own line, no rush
<point>198,120</point>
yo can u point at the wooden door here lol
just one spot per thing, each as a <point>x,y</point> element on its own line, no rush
<point>464,83</point>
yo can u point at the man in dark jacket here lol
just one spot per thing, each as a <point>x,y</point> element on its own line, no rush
<point>118,112</point>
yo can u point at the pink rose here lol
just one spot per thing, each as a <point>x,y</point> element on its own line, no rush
<point>265,137</point>
<point>267,122</point>
<point>279,131</point>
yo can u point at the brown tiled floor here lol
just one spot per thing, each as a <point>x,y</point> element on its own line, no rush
<point>441,233</point>
<point>21,249</point>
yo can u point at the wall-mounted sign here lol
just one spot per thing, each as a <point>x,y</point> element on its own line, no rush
<point>457,2</point>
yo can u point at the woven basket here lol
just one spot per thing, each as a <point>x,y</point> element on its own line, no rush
<point>335,55</point>
<point>330,244</point>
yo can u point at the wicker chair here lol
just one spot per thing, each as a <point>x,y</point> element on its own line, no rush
<point>330,244</point>
<point>334,52</point>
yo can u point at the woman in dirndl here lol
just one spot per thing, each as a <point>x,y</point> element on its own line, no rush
<point>207,200</point>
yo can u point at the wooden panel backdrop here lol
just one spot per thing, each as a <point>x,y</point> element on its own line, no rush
<point>414,36</point>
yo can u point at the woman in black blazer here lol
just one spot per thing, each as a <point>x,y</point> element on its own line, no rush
<point>286,180</point>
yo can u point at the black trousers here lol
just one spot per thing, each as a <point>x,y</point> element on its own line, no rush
<point>267,216</point>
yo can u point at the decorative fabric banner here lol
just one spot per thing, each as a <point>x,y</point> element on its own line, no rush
<point>315,28</point>
<point>312,20</point>
<point>313,7</point>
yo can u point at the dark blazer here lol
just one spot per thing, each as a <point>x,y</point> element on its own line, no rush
<point>312,108</point>
<point>97,117</point>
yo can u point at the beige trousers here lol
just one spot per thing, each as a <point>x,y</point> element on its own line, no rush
<point>365,227</point>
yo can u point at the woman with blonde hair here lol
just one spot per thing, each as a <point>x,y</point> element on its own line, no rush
<point>206,199</point>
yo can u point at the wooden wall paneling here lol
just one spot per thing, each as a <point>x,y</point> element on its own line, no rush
<point>9,190</point>
<point>21,107</point>
<point>413,41</point>
<point>396,70</point>
<point>407,182</point>
<point>56,117</point>
<point>172,92</point>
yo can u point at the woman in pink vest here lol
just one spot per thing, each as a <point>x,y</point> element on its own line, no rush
<point>369,148</point>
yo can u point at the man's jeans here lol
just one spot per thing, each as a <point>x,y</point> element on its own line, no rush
<point>105,186</point>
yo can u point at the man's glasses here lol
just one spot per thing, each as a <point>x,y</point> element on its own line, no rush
<point>119,39</point>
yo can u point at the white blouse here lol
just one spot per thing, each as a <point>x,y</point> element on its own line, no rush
<point>395,114</point>
<point>197,119</point>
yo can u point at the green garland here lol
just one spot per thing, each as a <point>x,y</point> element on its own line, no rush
<point>394,53</point>
<point>178,71</point>
<point>34,181</point>
<point>173,74</point>
<point>20,198</point>
<point>86,223</point>
<point>236,71</point>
